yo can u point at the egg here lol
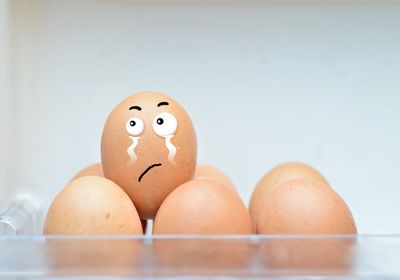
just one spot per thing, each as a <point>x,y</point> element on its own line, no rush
<point>148,148</point>
<point>92,205</point>
<point>304,206</point>
<point>97,170</point>
<point>275,177</point>
<point>92,170</point>
<point>202,207</point>
<point>204,171</point>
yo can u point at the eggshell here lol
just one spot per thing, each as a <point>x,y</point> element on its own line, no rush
<point>275,177</point>
<point>146,165</point>
<point>204,171</point>
<point>92,170</point>
<point>202,207</point>
<point>305,206</point>
<point>92,205</point>
<point>97,170</point>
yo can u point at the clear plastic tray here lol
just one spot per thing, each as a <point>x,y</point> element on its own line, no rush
<point>23,255</point>
<point>361,257</point>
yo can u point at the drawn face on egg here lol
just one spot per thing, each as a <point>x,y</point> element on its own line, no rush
<point>148,148</point>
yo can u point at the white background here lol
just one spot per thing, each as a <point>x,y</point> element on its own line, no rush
<point>264,82</point>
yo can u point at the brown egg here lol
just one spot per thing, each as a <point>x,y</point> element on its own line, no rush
<point>202,207</point>
<point>148,148</point>
<point>275,177</point>
<point>97,170</point>
<point>92,205</point>
<point>92,170</point>
<point>204,171</point>
<point>305,206</point>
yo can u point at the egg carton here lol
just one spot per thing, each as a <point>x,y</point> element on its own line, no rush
<point>24,254</point>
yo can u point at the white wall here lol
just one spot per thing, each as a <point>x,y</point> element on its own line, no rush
<point>4,97</point>
<point>264,83</point>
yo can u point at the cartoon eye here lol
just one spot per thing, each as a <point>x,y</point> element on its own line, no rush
<point>165,124</point>
<point>134,126</point>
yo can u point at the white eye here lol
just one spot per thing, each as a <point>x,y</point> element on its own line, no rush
<point>165,124</point>
<point>134,126</point>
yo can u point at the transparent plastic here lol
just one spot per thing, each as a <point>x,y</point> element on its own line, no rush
<point>201,256</point>
<point>20,218</point>
<point>348,256</point>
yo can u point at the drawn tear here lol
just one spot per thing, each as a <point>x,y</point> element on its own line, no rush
<point>131,149</point>
<point>171,148</point>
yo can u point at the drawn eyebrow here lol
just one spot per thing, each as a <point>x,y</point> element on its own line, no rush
<point>135,108</point>
<point>164,103</point>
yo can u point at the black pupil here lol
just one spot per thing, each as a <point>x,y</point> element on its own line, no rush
<point>132,123</point>
<point>160,121</point>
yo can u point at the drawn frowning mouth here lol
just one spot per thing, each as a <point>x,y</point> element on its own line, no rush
<point>147,170</point>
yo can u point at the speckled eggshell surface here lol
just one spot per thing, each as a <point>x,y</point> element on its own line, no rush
<point>305,206</point>
<point>148,148</point>
<point>204,171</point>
<point>202,207</point>
<point>92,205</point>
<point>275,177</point>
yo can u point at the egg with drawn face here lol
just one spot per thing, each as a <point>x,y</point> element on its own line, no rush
<point>148,148</point>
